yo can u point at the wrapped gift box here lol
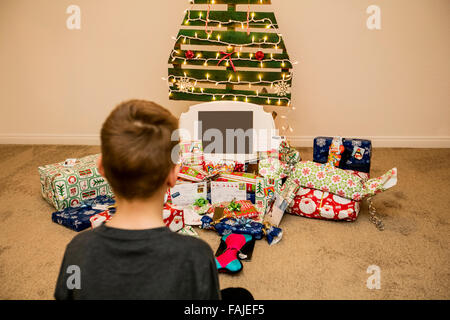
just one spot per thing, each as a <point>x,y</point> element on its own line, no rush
<point>343,183</point>
<point>250,188</point>
<point>78,218</point>
<point>66,186</point>
<point>173,217</point>
<point>281,202</point>
<point>248,178</point>
<point>97,219</point>
<point>192,174</point>
<point>265,191</point>
<point>323,205</point>
<point>246,209</point>
<point>191,153</point>
<point>214,167</point>
<point>273,168</point>
<point>356,156</point>
<point>227,191</point>
<point>186,193</point>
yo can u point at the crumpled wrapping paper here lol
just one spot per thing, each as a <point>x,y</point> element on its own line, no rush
<point>340,182</point>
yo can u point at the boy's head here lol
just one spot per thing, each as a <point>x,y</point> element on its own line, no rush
<point>137,149</point>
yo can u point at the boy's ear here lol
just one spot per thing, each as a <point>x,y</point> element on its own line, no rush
<point>173,176</point>
<point>101,170</point>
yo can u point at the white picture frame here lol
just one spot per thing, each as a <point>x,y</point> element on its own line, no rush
<point>263,126</point>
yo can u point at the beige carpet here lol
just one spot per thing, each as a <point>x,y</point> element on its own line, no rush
<point>315,260</point>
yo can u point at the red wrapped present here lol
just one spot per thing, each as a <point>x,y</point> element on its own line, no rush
<point>173,217</point>
<point>313,203</point>
<point>237,209</point>
<point>191,174</point>
<point>99,218</point>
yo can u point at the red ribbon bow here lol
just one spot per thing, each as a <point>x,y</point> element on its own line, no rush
<point>227,56</point>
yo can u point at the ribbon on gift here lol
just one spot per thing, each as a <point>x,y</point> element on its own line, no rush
<point>227,57</point>
<point>273,234</point>
<point>246,222</point>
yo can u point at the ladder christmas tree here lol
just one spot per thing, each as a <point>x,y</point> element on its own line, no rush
<point>218,55</point>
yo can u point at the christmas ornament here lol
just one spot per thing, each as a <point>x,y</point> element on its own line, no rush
<point>282,88</point>
<point>259,55</point>
<point>185,85</point>
<point>189,55</point>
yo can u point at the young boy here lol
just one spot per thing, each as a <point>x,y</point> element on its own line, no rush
<point>134,255</point>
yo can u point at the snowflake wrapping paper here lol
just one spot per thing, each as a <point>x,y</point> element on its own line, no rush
<point>356,156</point>
<point>243,226</point>
<point>340,182</point>
<point>78,218</point>
<point>317,204</point>
<point>65,187</point>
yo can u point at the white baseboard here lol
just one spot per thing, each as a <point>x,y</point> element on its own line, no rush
<point>295,141</point>
<point>62,139</point>
<point>385,141</point>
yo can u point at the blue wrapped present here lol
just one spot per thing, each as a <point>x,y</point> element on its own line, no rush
<point>356,156</point>
<point>77,218</point>
<point>243,226</point>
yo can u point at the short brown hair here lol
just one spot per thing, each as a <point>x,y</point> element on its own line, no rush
<point>137,147</point>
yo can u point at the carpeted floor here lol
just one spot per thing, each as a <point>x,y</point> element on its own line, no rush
<point>315,260</point>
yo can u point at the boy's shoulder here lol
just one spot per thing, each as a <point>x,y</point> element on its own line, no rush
<point>171,240</point>
<point>190,241</point>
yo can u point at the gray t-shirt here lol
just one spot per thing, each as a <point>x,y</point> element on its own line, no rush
<point>137,264</point>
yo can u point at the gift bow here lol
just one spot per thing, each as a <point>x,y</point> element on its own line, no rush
<point>200,202</point>
<point>244,221</point>
<point>234,206</point>
<point>227,56</point>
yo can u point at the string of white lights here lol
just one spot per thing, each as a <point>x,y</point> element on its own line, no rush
<point>234,95</point>
<point>174,56</point>
<point>229,81</point>
<point>229,44</point>
<point>268,25</point>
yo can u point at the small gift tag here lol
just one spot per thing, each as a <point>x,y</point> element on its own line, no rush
<point>358,153</point>
<point>70,163</point>
<point>219,213</point>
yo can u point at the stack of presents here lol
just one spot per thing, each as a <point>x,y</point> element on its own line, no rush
<point>242,202</point>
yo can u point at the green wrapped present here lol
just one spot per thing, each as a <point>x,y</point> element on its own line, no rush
<point>67,184</point>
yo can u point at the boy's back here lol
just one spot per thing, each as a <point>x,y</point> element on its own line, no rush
<point>136,264</point>
<point>134,256</point>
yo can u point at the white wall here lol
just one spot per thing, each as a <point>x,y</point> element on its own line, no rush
<point>391,85</point>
